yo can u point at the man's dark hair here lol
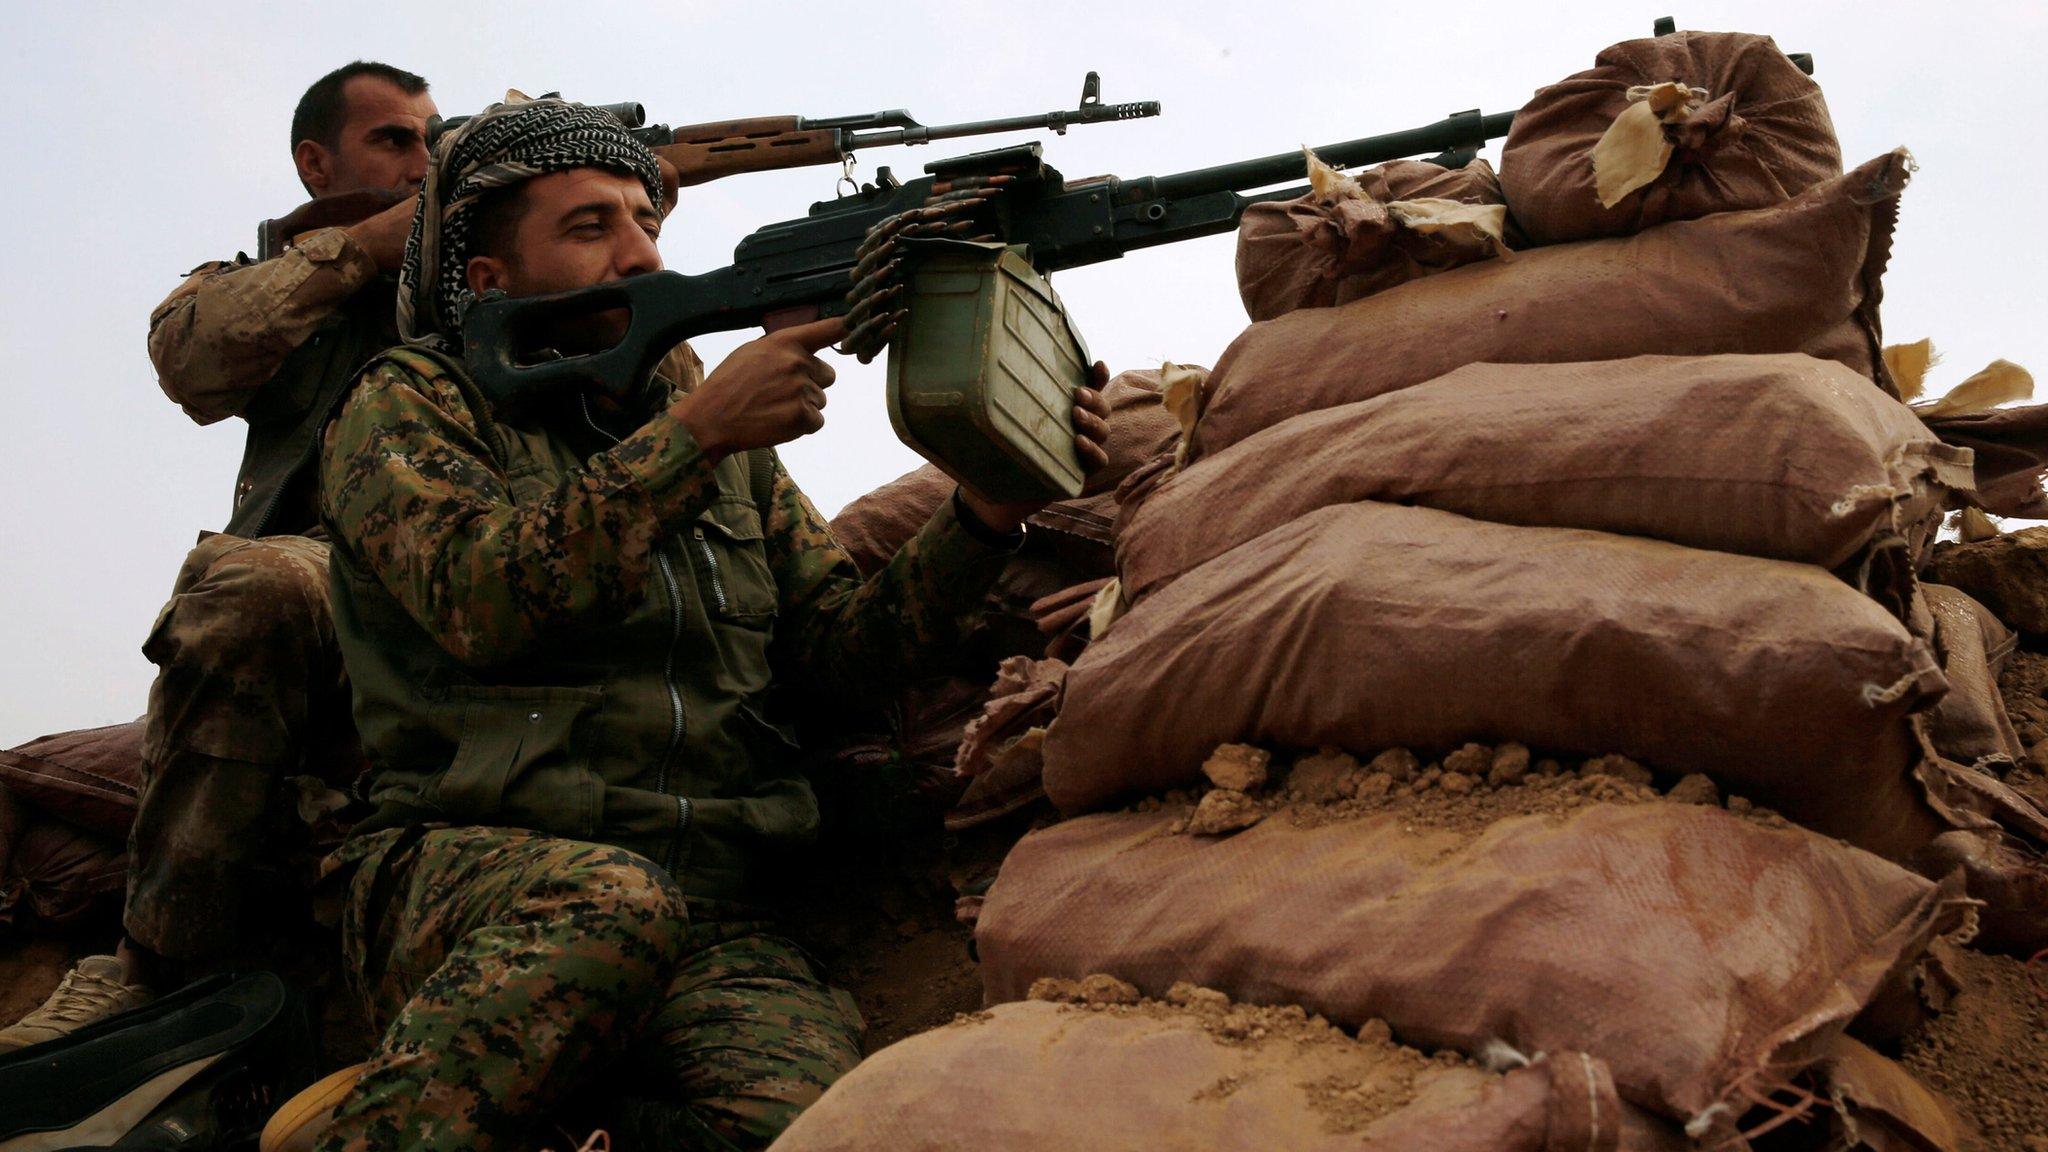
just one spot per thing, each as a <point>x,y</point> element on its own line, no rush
<point>497,219</point>
<point>323,109</point>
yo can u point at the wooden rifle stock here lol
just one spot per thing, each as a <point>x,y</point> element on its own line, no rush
<point>274,236</point>
<point>702,153</point>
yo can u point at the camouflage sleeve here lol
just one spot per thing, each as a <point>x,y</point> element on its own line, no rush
<point>225,331</point>
<point>412,491</point>
<point>850,640</point>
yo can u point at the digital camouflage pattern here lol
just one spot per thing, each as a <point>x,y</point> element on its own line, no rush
<point>249,678</point>
<point>511,970</point>
<point>519,560</point>
<point>415,485</point>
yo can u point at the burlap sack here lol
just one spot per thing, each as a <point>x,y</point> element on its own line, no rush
<point>1741,127</point>
<point>1879,1105</point>
<point>1802,276</point>
<point>90,777</point>
<point>1694,952</point>
<point>54,874</point>
<point>2011,446</point>
<point>1970,724</point>
<point>1782,456</point>
<point>1320,250</point>
<point>1041,1077</point>
<point>1372,626</point>
<point>874,526</point>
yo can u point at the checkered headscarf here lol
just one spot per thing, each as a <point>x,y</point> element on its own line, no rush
<point>504,145</point>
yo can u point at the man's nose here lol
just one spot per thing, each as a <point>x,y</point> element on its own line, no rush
<point>637,252</point>
<point>416,165</point>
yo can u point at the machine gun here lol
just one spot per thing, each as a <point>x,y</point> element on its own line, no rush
<point>704,152</point>
<point>804,268</point>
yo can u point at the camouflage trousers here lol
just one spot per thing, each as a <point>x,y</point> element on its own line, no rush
<point>249,694</point>
<point>515,974</point>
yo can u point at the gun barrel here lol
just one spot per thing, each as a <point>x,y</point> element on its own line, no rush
<point>1465,130</point>
<point>1057,121</point>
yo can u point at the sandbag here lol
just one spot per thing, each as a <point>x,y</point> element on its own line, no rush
<point>2011,447</point>
<point>55,874</point>
<point>1879,1105</point>
<point>1371,626</point>
<point>1802,276</point>
<point>1695,952</point>
<point>90,777</point>
<point>1693,123</point>
<point>1328,248</point>
<point>1970,724</point>
<point>1048,1076</point>
<point>873,527</point>
<point>1782,456</point>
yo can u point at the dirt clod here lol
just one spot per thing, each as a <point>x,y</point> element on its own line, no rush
<point>1621,768</point>
<point>1238,766</point>
<point>1471,760</point>
<point>1398,764</point>
<point>1695,789</point>
<point>1510,765</point>
<point>1330,774</point>
<point>1224,811</point>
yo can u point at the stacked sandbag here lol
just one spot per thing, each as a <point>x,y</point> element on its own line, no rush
<point>1782,456</point>
<point>1970,724</point>
<point>1802,276</point>
<point>1703,954</point>
<point>55,875</point>
<point>1352,236</point>
<point>66,802</point>
<point>1673,127</point>
<point>90,777</point>
<point>1091,1064</point>
<point>1641,492</point>
<point>1371,625</point>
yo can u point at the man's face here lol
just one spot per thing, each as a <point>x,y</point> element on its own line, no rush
<point>382,146</point>
<point>577,228</point>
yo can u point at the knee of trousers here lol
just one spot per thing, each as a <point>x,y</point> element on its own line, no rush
<point>612,900</point>
<point>246,604</point>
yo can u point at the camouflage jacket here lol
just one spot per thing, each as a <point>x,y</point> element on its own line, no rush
<point>275,343</point>
<point>550,628</point>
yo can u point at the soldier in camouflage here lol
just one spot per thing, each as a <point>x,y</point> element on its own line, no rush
<point>574,628</point>
<point>249,688</point>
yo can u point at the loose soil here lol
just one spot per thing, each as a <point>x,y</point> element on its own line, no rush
<point>1378,1077</point>
<point>1468,791</point>
<point>2024,684</point>
<point>29,972</point>
<point>1989,1050</point>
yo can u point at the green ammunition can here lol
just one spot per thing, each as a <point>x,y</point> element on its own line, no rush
<point>983,370</point>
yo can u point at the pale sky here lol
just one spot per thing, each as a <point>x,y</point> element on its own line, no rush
<point>146,138</point>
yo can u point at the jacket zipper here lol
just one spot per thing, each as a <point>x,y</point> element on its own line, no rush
<point>668,672</point>
<point>711,564</point>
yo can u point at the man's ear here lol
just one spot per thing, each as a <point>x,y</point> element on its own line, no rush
<point>316,166</point>
<point>484,273</point>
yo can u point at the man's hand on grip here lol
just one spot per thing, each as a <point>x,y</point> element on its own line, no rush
<point>769,391</point>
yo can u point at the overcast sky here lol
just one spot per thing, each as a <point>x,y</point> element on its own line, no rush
<point>146,138</point>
